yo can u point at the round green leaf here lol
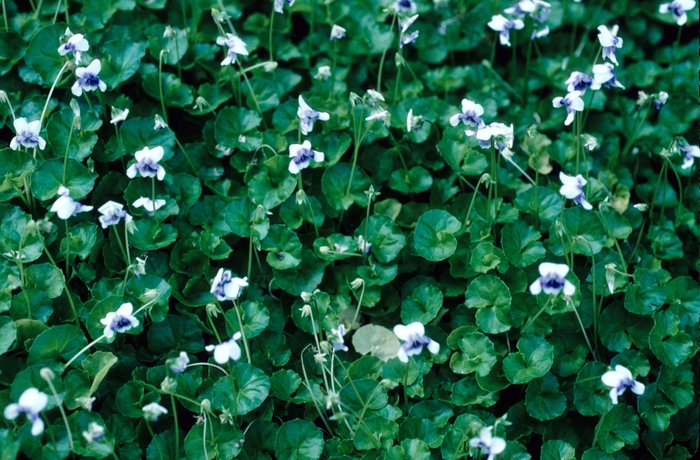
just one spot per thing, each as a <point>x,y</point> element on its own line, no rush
<point>521,244</point>
<point>175,333</point>
<point>492,297</point>
<point>58,132</point>
<point>618,428</point>
<point>543,400</point>
<point>335,182</point>
<point>251,387</point>
<point>58,342</point>
<point>41,54</point>
<point>12,48</point>
<point>298,440</point>
<point>48,177</point>
<point>591,396</point>
<point>533,360</point>
<point>423,305</point>
<point>671,345</point>
<point>477,355</point>
<point>433,237</point>
<point>386,237</point>
<point>254,315</point>
<point>283,246</point>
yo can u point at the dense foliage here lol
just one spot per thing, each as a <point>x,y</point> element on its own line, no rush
<point>334,229</point>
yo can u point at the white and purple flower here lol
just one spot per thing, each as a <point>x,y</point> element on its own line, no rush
<point>572,102</point>
<point>65,206</point>
<point>77,44</point>
<point>500,134</point>
<point>690,152</point>
<point>552,280</point>
<point>609,41</point>
<point>337,32</point>
<point>235,46</point>
<point>152,411</point>
<point>148,204</point>
<point>470,116</point>
<point>112,212</point>
<point>604,74</point>
<point>660,99</point>
<point>489,444</point>
<point>179,364</point>
<point>503,25</point>
<point>226,350</point>
<point>620,380</point>
<point>301,155</point>
<point>307,116</point>
<point>27,134</point>
<point>147,163</point>
<point>572,188</point>
<point>537,9</point>
<point>337,339</point>
<point>227,287</point>
<point>120,321</point>
<point>88,79</point>
<point>31,403</point>
<point>678,9</point>
<point>404,6</point>
<point>413,122</point>
<point>408,39</point>
<point>414,339</point>
<point>279,5</point>
<point>579,81</point>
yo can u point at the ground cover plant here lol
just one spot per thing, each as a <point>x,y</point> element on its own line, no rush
<point>348,229</point>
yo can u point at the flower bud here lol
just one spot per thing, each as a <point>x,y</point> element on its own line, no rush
<point>46,373</point>
<point>168,385</point>
<point>306,296</point>
<point>357,283</point>
<point>205,405</point>
<point>305,310</point>
<point>212,310</point>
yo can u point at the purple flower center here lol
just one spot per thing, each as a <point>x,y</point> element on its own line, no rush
<point>552,281</point>
<point>303,156</point>
<point>89,81</point>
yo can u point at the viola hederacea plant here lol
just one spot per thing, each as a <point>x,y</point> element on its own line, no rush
<point>390,229</point>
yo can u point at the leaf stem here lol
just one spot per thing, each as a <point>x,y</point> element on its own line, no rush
<point>386,48</point>
<point>46,375</point>
<point>240,325</point>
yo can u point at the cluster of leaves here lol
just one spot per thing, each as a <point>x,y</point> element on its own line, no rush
<point>450,248</point>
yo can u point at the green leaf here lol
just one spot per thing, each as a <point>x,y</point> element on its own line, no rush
<point>273,184</point>
<point>377,340</point>
<point>477,355</point>
<point>677,384</point>
<point>366,394</point>
<point>283,246</point>
<point>646,295</point>
<point>543,400</point>
<point>416,180</point>
<point>138,132</point>
<point>46,278</point>
<point>8,334</point>
<point>386,237</point>
<point>175,92</point>
<point>98,365</point>
<point>683,296</point>
<point>162,447</point>
<point>620,329</point>
<point>298,440</point>
<point>335,182</point>
<point>175,333</point>
<point>303,278</point>
<point>254,315</point>
<point>520,244</point>
<point>423,305</point>
<point>380,434</point>
<point>150,235</point>
<point>461,158</point>
<point>433,236</point>
<point>491,296</point>
<point>655,408</point>
<point>586,234</point>
<point>619,427</point>
<point>58,342</point>
<point>43,57</point>
<point>533,360</point>
<point>251,387</point>
<point>486,257</point>
<point>122,60</point>
<point>544,202</point>
<point>48,177</point>
<point>555,449</point>
<point>671,345</point>
<point>232,126</point>
<point>12,49</point>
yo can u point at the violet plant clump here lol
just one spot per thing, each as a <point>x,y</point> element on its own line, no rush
<point>329,229</point>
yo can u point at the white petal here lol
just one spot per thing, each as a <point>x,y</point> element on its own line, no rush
<point>454,119</point>
<point>498,445</point>
<point>34,127</point>
<point>94,67</point>
<point>37,426</point>
<point>569,119</point>
<point>318,156</point>
<point>569,288</point>
<point>402,332</point>
<point>234,350</point>
<point>76,89</point>
<point>323,116</point>
<point>611,379</point>
<point>546,268</point>
<point>498,22</point>
<point>33,400</point>
<point>577,103</point>
<point>293,168</point>
<point>401,354</point>
<point>221,353</point>
<point>560,269</point>
<point>434,347</point>
<point>11,411</point>
<point>613,395</point>
<point>125,309</point>
<point>303,105</point>
<point>20,125</point>
<point>623,372</point>
<point>638,388</point>
<point>536,287</point>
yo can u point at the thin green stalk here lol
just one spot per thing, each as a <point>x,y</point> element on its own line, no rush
<point>585,336</point>
<point>64,281</point>
<point>55,15</point>
<point>386,48</point>
<point>153,436</point>
<point>307,382</point>
<point>250,254</point>
<point>240,325</point>
<point>272,22</point>
<point>405,384</point>
<point>679,207</point>
<point>252,93</point>
<point>318,346</point>
<point>177,427</point>
<point>595,434</point>
<point>204,434</point>
<point>471,204</point>
<point>48,98</point>
<point>153,194</point>
<point>617,244</point>
<point>526,86</point>
<point>119,241</point>
<point>37,11</point>
<point>213,328</point>
<point>359,137</point>
<point>67,251</point>
<point>209,365</point>
<point>65,155</point>
<point>537,315</point>
<point>160,84</point>
<point>67,15</point>
<point>4,16</point>
<point>663,195</point>
<point>656,189</point>
<point>85,348</point>
<point>47,377</point>
<point>359,305</point>
<point>398,79</point>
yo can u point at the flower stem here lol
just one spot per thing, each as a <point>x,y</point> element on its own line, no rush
<point>86,348</point>
<point>585,336</point>
<point>240,326</point>
<point>398,78</point>
<point>386,48</point>
<point>160,84</point>
<point>60,406</point>
<point>631,140</point>
<point>48,98</point>
<point>153,436</point>
<point>4,16</point>
<point>526,79</point>
<point>272,22</point>
<point>252,93</point>
<point>153,194</point>
<point>177,426</point>
<point>537,315</point>
<point>359,305</point>
<point>67,251</point>
<point>209,365</point>
<point>675,55</point>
